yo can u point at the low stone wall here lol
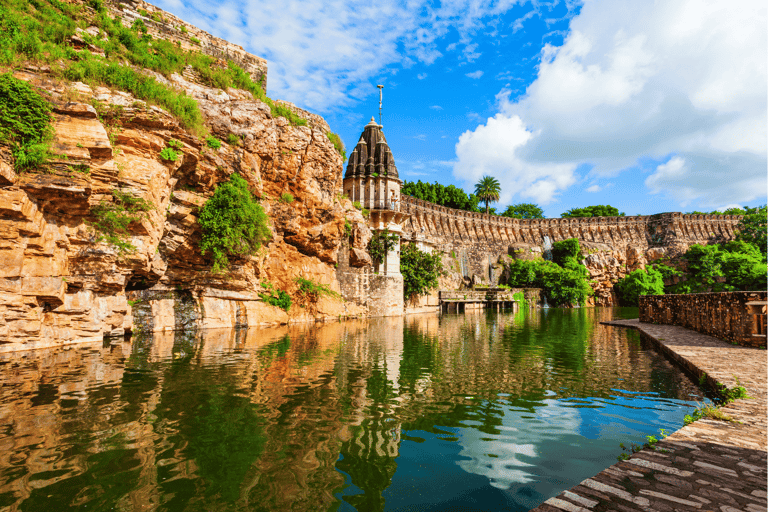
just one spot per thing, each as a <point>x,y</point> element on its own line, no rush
<point>737,317</point>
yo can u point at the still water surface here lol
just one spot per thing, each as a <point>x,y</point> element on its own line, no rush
<point>459,412</point>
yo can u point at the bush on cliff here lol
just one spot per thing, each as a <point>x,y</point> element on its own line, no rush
<point>232,223</point>
<point>25,122</point>
<point>639,282</point>
<point>113,219</point>
<point>420,271</point>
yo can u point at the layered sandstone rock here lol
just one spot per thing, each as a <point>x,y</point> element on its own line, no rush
<point>60,283</point>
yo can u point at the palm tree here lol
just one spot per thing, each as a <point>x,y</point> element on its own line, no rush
<point>487,189</point>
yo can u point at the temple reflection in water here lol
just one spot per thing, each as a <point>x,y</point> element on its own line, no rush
<point>308,417</point>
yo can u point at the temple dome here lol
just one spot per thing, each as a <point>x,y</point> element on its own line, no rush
<point>372,154</point>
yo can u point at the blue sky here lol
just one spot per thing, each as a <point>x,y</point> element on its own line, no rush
<point>647,106</point>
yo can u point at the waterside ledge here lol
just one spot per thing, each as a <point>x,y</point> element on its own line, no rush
<point>707,465</point>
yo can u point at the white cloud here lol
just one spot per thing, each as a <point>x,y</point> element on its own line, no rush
<point>436,107</point>
<point>323,54</point>
<point>421,76</point>
<point>594,188</point>
<point>475,74</point>
<point>420,136</point>
<point>680,82</point>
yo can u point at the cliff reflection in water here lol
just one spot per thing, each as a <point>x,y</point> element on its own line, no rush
<point>478,410</point>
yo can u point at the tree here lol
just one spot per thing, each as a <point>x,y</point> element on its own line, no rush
<point>599,210</point>
<point>523,211</point>
<point>640,282</point>
<point>752,228</point>
<point>487,190</point>
<point>449,196</point>
<point>420,271</point>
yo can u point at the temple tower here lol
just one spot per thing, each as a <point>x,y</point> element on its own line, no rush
<point>372,180</point>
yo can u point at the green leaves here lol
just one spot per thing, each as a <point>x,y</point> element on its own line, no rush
<point>487,190</point>
<point>25,122</point>
<point>599,210</point>
<point>640,282</point>
<point>752,228</point>
<point>523,211</point>
<point>420,271</point>
<point>450,196</point>
<point>232,222</point>
<point>114,218</point>
<point>381,243</point>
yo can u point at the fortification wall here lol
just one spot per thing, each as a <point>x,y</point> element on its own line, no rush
<point>614,245</point>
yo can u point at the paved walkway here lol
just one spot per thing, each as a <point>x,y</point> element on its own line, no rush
<point>707,466</point>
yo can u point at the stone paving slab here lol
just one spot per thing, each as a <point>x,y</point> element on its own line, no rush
<point>708,465</point>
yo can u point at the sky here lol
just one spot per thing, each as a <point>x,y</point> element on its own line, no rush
<point>647,106</point>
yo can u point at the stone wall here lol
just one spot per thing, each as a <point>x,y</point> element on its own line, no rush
<point>737,317</point>
<point>611,246</point>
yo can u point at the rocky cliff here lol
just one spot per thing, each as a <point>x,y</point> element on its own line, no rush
<point>59,282</point>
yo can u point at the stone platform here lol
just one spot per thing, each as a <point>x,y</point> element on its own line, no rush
<point>708,465</point>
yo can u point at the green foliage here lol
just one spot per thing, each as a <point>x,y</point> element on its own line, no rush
<point>753,228</point>
<point>523,211</point>
<point>347,228</point>
<point>566,285</point>
<point>195,40</point>
<point>277,298</point>
<point>175,144</point>
<point>706,411</point>
<point>338,144</point>
<point>311,291</point>
<point>565,250</point>
<point>113,219</point>
<point>233,140</point>
<point>640,282</point>
<point>25,122</point>
<point>232,223</point>
<point>357,205</point>
<point>593,211</point>
<point>450,196</point>
<point>213,142</point>
<point>169,155</point>
<point>381,243</point>
<point>488,190</point>
<point>286,198</point>
<point>420,271</point>
<point>736,265</point>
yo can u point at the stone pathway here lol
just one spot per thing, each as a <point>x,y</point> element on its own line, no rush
<point>709,465</point>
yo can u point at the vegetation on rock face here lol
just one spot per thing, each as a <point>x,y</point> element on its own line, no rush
<point>277,298</point>
<point>420,271</point>
<point>450,196</point>
<point>113,219</point>
<point>488,190</point>
<point>41,30</point>
<point>563,281</point>
<point>25,122</point>
<point>380,244</point>
<point>212,142</point>
<point>523,211</point>
<point>310,291</point>
<point>232,223</point>
<point>599,210</point>
<point>753,228</point>
<point>338,144</point>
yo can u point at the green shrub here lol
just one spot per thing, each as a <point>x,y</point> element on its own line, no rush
<point>213,142</point>
<point>25,122</point>
<point>753,228</point>
<point>312,291</point>
<point>380,244</point>
<point>175,144</point>
<point>232,223</point>
<point>737,265</point>
<point>195,40</point>
<point>277,298</point>
<point>169,155</point>
<point>286,198</point>
<point>567,285</point>
<point>420,271</point>
<point>564,250</point>
<point>357,205</point>
<point>113,219</point>
<point>233,140</point>
<point>640,282</point>
<point>338,144</point>
<point>182,29</point>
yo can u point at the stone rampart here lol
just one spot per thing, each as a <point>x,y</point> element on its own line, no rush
<point>737,317</point>
<point>477,240</point>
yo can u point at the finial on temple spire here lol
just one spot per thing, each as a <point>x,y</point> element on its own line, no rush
<point>381,88</point>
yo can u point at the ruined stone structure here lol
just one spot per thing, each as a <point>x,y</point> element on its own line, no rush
<point>371,180</point>
<point>738,317</point>
<point>612,246</point>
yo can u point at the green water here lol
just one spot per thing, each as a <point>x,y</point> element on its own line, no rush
<point>459,412</point>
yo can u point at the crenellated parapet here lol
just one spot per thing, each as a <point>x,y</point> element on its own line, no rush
<point>444,226</point>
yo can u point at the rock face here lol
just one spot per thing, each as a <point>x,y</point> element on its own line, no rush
<point>60,283</point>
